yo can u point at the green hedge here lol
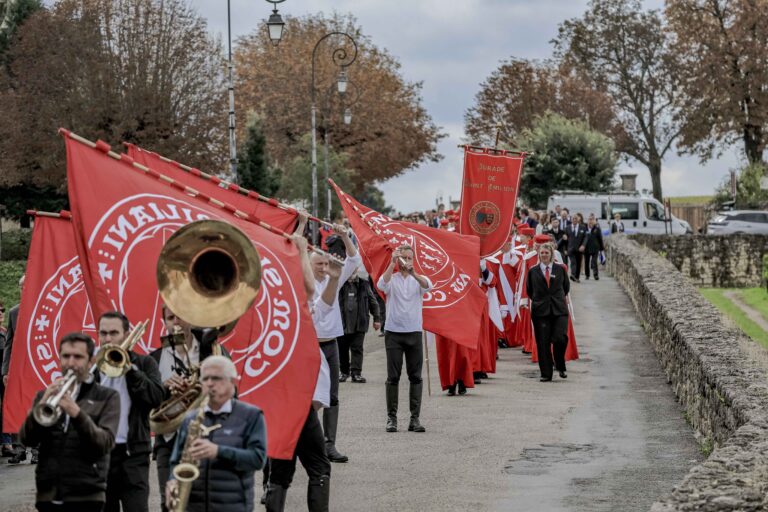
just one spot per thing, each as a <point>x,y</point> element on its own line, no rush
<point>10,272</point>
<point>15,244</point>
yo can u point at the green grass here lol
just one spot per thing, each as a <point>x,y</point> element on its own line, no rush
<point>757,298</point>
<point>10,272</point>
<point>691,200</point>
<point>750,328</point>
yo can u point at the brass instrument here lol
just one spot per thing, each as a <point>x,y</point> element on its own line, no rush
<point>114,360</point>
<point>188,469</point>
<point>48,413</point>
<point>208,274</point>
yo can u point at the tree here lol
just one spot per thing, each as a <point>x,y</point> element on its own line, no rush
<point>296,180</point>
<point>567,155</point>
<point>723,48</point>
<point>142,71</point>
<point>373,197</point>
<point>749,194</point>
<point>12,15</point>
<point>253,170</point>
<point>625,51</point>
<point>390,130</point>
<point>520,91</point>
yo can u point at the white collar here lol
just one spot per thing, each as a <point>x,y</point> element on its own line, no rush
<point>226,408</point>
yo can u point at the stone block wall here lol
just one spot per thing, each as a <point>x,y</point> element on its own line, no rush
<point>724,393</point>
<point>720,261</point>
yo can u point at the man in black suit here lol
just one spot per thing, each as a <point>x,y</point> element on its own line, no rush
<point>548,286</point>
<point>576,234</point>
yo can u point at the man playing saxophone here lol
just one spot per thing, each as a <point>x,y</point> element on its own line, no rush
<point>235,447</point>
<point>76,440</point>
<point>140,390</point>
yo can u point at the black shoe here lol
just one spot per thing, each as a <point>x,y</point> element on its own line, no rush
<point>597,278</point>
<point>452,390</point>
<point>20,457</point>
<point>334,455</point>
<point>573,279</point>
<point>7,452</point>
<point>359,379</point>
<point>391,424</point>
<point>343,377</point>
<point>503,343</point>
<point>415,426</point>
<point>587,278</point>
<point>462,388</point>
<point>381,334</point>
<point>563,375</point>
<point>525,352</point>
<point>545,379</point>
<point>34,459</point>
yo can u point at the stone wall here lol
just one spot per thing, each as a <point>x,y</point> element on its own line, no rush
<point>724,261</point>
<point>724,393</point>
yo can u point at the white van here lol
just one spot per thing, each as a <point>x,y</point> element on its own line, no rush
<point>639,213</point>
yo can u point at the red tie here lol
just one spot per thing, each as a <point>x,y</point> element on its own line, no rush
<point>546,275</point>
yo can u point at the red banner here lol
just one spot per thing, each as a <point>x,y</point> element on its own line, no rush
<point>488,196</point>
<point>53,303</point>
<point>123,216</point>
<point>281,218</point>
<point>455,304</point>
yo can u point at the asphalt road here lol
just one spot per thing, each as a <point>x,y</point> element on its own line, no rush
<point>610,437</point>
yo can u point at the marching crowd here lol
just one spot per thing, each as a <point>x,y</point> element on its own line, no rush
<point>95,453</point>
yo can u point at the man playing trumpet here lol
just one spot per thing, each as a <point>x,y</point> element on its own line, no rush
<point>76,440</point>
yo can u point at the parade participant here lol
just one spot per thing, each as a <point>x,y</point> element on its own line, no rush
<point>329,327</point>
<point>548,288</point>
<point>404,290</point>
<point>358,304</point>
<point>484,356</point>
<point>525,333</point>
<point>593,247</point>
<point>140,390</point>
<point>454,365</point>
<point>74,450</point>
<point>235,447</point>
<point>576,234</point>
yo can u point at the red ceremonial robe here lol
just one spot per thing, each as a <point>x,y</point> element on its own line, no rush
<point>507,303</point>
<point>454,363</point>
<point>525,329</point>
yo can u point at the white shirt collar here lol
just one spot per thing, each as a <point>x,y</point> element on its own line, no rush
<point>226,408</point>
<point>544,268</point>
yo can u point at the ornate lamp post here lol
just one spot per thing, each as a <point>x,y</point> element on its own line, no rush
<point>342,59</point>
<point>275,25</point>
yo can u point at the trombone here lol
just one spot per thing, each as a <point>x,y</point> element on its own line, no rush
<point>114,360</point>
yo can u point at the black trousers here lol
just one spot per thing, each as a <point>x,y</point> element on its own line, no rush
<point>351,343</point>
<point>575,258</point>
<point>128,481</point>
<point>163,451</point>
<point>551,337</point>
<point>331,352</point>
<point>71,506</point>
<point>590,262</point>
<point>310,450</point>
<point>399,344</point>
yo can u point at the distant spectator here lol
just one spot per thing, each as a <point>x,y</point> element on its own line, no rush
<point>617,226</point>
<point>357,301</point>
<point>542,222</point>
<point>594,246</point>
<point>558,234</point>
<point>576,234</point>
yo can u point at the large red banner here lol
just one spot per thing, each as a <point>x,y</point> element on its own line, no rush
<point>488,196</point>
<point>123,216</point>
<point>453,307</point>
<point>269,212</point>
<point>53,303</point>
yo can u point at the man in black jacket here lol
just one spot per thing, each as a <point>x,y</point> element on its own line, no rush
<point>576,233</point>
<point>356,301</point>
<point>548,288</point>
<point>140,391</point>
<point>594,246</point>
<point>74,452</point>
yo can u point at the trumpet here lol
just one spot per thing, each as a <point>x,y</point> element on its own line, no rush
<point>48,413</point>
<point>114,360</point>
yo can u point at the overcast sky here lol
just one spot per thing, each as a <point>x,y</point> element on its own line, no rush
<point>452,47</point>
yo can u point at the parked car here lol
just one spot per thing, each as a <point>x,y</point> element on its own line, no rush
<point>639,213</point>
<point>739,221</point>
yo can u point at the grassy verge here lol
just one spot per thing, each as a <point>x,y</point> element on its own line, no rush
<point>757,298</point>
<point>750,328</point>
<point>10,272</point>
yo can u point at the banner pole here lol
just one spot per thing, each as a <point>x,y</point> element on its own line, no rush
<point>426,360</point>
<point>498,134</point>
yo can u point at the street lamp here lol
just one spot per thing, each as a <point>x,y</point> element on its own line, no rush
<point>347,116</point>
<point>342,59</point>
<point>275,26</point>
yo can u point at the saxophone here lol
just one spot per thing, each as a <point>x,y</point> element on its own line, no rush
<point>188,469</point>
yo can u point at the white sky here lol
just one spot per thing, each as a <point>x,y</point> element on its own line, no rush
<point>452,46</point>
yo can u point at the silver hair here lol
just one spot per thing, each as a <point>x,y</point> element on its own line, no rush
<point>222,362</point>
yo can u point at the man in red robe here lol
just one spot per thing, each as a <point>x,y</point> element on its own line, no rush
<point>528,260</point>
<point>454,364</point>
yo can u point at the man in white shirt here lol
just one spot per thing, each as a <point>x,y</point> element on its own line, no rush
<point>328,278</point>
<point>404,290</point>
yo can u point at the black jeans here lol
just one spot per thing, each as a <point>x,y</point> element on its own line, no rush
<point>163,451</point>
<point>351,343</point>
<point>575,257</point>
<point>590,262</point>
<point>551,337</point>
<point>310,450</point>
<point>72,506</point>
<point>331,352</point>
<point>128,481</point>
<point>399,344</point>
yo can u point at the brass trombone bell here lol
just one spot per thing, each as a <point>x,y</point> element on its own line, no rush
<point>209,273</point>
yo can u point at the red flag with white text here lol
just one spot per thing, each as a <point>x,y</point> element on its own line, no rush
<point>451,261</point>
<point>123,216</point>
<point>53,303</point>
<point>281,218</point>
<point>488,196</point>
